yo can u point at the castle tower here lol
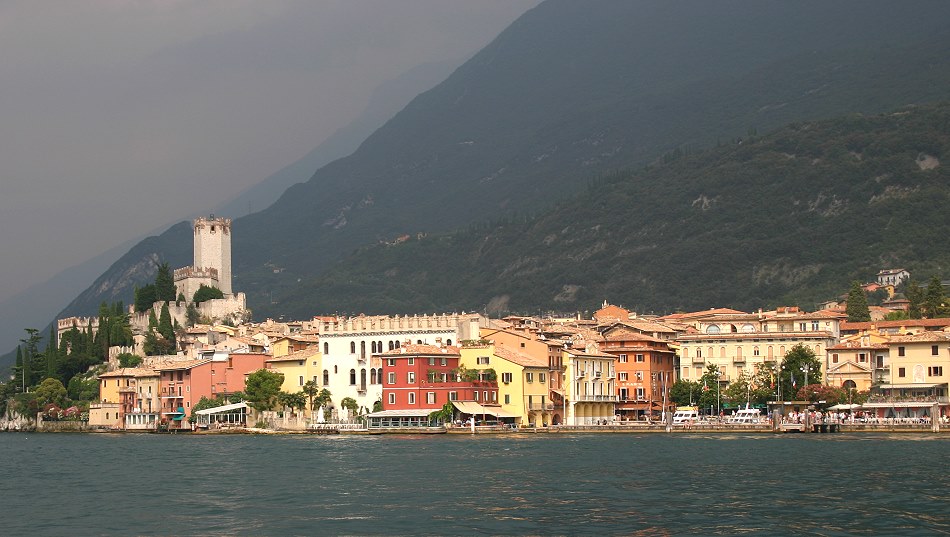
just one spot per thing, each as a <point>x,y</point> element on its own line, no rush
<point>213,249</point>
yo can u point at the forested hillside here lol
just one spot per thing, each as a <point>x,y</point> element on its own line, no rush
<point>788,218</point>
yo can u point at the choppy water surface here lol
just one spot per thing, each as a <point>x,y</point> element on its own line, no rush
<point>551,484</point>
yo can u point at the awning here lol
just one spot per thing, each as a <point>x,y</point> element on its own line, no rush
<point>904,404</point>
<point>178,418</point>
<point>473,408</point>
<point>907,386</point>
<point>220,409</point>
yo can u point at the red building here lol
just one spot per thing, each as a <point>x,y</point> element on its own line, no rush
<point>420,379</point>
<point>644,370</point>
<point>183,384</point>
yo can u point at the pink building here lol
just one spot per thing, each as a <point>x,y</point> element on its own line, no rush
<point>183,384</point>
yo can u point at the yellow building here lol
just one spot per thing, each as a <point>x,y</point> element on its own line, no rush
<point>853,361</point>
<point>916,377</point>
<point>522,381</point>
<point>590,386</point>
<point>741,343</point>
<point>293,343</point>
<point>298,368</point>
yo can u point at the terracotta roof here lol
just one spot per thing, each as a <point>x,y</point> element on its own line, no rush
<point>130,372</point>
<point>520,358</point>
<point>415,348</point>
<point>296,356</point>
<point>847,345</point>
<point>904,323</point>
<point>695,314</point>
<point>922,338</point>
<point>175,366</point>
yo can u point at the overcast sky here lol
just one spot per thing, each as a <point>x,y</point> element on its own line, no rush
<point>120,116</point>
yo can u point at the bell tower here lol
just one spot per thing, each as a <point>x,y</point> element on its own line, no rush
<point>213,249</point>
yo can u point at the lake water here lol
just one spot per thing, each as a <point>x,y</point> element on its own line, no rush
<point>544,484</point>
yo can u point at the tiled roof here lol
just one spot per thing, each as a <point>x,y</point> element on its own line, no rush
<point>904,323</point>
<point>129,372</point>
<point>416,348</point>
<point>923,337</point>
<point>520,358</point>
<point>175,366</point>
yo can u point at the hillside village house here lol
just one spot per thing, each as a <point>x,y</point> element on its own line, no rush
<point>420,379</point>
<point>853,361</point>
<point>351,347</point>
<point>915,378</point>
<point>590,386</point>
<point>645,368</point>
<point>522,382</point>
<point>741,343</point>
<point>298,368</point>
<point>183,384</point>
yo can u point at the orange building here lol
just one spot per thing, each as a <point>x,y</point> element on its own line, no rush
<point>644,371</point>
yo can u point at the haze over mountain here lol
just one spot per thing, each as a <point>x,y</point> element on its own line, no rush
<point>569,92</point>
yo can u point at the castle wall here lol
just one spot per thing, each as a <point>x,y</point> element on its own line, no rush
<point>213,248</point>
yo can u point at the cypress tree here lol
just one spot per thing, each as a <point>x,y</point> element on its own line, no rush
<point>933,300</point>
<point>857,309</point>
<point>18,368</point>
<point>164,284</point>
<point>165,327</point>
<point>915,295</point>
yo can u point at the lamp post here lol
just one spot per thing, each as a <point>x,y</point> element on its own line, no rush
<point>805,370</point>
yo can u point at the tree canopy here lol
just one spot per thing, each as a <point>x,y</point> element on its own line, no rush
<point>857,308</point>
<point>261,389</point>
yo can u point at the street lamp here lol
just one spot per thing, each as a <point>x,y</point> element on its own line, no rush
<point>805,370</point>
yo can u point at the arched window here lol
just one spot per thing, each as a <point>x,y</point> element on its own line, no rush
<point>373,350</point>
<point>372,376</point>
<point>419,342</point>
<point>712,329</point>
<point>326,348</point>
<point>398,344</point>
<point>849,385</point>
<point>335,370</point>
<point>362,349</point>
<point>379,345</point>
<point>448,342</point>
<point>352,377</point>
<point>326,377</point>
<point>391,346</point>
<point>352,347</point>
<point>362,377</point>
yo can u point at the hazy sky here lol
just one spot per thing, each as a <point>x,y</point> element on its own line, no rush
<point>119,116</point>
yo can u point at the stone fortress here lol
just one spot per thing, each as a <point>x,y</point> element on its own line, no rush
<point>211,267</point>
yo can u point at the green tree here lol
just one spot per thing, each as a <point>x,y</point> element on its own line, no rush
<point>83,389</point>
<point>857,308</point>
<point>145,297</point>
<point>310,390</point>
<point>793,371</point>
<point>261,389</point>
<point>205,292</point>
<point>165,284</point>
<point>684,393</point>
<point>191,315</point>
<point>30,356</point>
<point>934,299</point>
<point>915,295</point>
<point>710,392</point>
<point>127,359</point>
<point>293,401</point>
<point>51,390</point>
<point>19,375</point>
<point>350,404</point>
<point>444,414</point>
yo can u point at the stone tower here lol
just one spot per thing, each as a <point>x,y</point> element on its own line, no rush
<point>213,249</point>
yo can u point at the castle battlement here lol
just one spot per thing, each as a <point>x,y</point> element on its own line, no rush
<point>80,323</point>
<point>196,272</point>
<point>385,323</point>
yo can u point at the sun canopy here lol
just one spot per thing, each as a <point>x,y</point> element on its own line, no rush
<point>473,408</point>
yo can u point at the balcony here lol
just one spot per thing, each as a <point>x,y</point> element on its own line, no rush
<point>361,389</point>
<point>597,374</point>
<point>580,374</point>
<point>540,406</point>
<point>597,398</point>
<point>738,359</point>
<point>698,360</point>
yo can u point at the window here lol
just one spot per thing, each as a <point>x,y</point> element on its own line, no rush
<point>494,397</point>
<point>935,371</point>
<point>391,362</point>
<point>431,360</point>
<point>506,377</point>
<point>444,362</point>
<point>412,360</point>
<point>326,377</point>
<point>834,358</point>
<point>326,348</point>
<point>542,378</point>
<point>392,398</point>
<point>529,377</point>
<point>476,395</point>
<point>482,360</point>
<point>412,398</point>
<point>392,378</point>
<point>802,327</point>
<point>507,399</point>
<point>352,347</point>
<point>814,326</point>
<point>639,394</point>
<point>639,357</point>
<point>623,376</point>
<point>623,394</point>
<point>755,351</point>
<point>453,396</point>
<point>411,377</point>
<point>622,358</point>
<point>485,393</point>
<point>430,398</point>
<point>900,351</point>
<point>301,380</point>
<point>934,350</point>
<point>639,375</point>
<point>901,372</point>
<point>352,377</point>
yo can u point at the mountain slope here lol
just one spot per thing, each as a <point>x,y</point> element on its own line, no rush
<point>574,90</point>
<point>789,218</point>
